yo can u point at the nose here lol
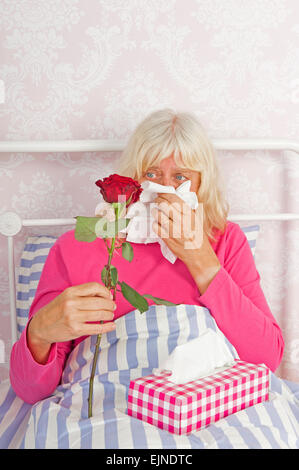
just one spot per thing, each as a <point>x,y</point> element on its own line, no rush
<point>167,181</point>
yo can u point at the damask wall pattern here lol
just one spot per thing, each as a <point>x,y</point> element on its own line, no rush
<point>77,69</point>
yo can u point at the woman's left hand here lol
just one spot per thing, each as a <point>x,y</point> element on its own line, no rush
<point>181,228</point>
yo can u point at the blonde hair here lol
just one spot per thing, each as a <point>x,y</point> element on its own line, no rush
<point>164,133</point>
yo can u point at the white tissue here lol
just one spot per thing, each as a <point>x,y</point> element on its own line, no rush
<point>202,356</point>
<point>139,229</point>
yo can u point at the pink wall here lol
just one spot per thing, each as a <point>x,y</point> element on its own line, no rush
<point>83,70</point>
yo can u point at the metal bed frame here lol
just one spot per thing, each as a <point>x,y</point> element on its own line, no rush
<point>11,223</point>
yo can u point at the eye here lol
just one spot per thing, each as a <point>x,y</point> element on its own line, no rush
<point>149,173</point>
<point>182,176</point>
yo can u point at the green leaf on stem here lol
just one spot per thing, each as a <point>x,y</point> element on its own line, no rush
<point>132,296</point>
<point>106,229</point>
<point>159,301</point>
<point>127,251</point>
<point>113,274</point>
<point>85,228</point>
<point>104,275</point>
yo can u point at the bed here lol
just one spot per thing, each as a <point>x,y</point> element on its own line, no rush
<point>61,421</point>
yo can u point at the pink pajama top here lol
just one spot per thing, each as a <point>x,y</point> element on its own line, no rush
<point>234,298</point>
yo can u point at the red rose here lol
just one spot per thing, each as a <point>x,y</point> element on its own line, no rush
<point>116,185</point>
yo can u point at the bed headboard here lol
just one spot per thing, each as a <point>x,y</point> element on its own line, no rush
<point>11,223</point>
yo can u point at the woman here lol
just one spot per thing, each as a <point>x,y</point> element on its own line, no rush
<point>218,273</point>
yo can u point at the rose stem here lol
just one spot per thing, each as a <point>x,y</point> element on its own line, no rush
<point>96,353</point>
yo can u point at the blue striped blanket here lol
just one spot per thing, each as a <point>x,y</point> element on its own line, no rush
<point>140,343</point>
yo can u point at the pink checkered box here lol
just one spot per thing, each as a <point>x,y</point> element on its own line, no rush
<point>185,408</point>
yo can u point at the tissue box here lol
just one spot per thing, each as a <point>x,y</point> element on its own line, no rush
<point>185,408</point>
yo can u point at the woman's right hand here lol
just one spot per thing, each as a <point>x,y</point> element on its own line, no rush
<point>67,317</point>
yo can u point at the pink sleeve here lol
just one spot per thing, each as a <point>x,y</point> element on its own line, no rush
<point>238,305</point>
<point>30,380</point>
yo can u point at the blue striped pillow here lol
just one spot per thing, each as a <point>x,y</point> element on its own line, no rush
<point>32,262</point>
<point>251,233</point>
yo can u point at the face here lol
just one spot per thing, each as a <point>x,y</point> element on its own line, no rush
<point>169,174</point>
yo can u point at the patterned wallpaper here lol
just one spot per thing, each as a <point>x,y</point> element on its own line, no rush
<point>77,69</point>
